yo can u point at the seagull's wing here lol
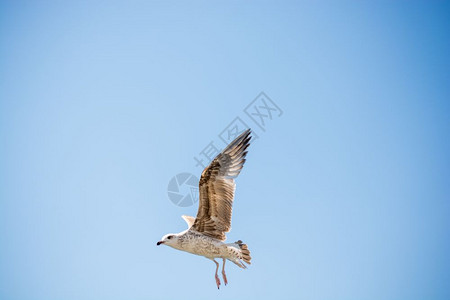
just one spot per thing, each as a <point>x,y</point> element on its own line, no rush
<point>217,187</point>
<point>189,220</point>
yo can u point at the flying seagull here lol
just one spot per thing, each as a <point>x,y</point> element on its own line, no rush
<point>205,235</point>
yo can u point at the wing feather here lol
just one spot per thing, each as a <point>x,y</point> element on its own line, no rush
<point>189,220</point>
<point>217,188</point>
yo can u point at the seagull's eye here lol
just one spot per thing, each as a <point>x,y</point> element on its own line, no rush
<point>169,237</point>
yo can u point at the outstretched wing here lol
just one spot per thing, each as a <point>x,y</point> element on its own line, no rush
<point>217,187</point>
<point>189,220</point>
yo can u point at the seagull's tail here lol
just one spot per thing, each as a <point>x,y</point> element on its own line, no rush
<point>245,253</point>
<point>238,253</point>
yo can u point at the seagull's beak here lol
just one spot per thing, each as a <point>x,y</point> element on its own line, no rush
<point>159,243</point>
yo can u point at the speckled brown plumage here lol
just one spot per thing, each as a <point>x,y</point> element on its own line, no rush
<point>205,235</point>
<point>217,187</point>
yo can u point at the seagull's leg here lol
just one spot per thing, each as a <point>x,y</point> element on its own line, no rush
<point>223,272</point>
<point>217,276</point>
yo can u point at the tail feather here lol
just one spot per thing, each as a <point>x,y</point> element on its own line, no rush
<point>244,252</point>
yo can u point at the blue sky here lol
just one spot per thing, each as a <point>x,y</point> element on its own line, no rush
<point>344,196</point>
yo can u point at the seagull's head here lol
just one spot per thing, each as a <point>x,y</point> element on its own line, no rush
<point>169,240</point>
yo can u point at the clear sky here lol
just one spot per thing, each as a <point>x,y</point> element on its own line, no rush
<point>344,196</point>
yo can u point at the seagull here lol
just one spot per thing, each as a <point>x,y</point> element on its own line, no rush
<point>205,235</point>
